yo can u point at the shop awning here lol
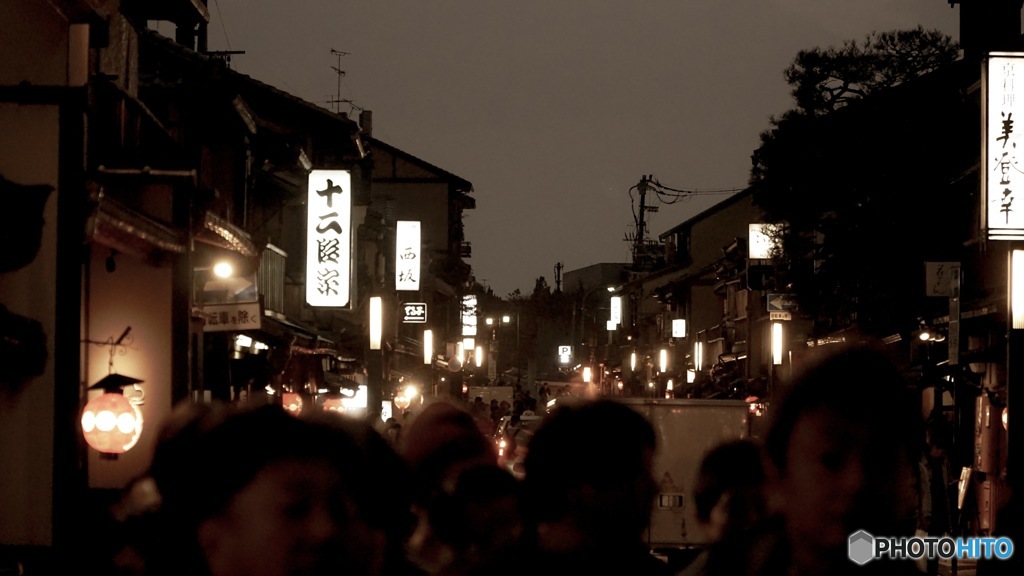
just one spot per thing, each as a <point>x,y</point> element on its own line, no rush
<point>219,232</point>
<point>118,227</point>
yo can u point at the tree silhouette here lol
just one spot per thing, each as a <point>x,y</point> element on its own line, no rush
<point>860,173</point>
<point>825,80</point>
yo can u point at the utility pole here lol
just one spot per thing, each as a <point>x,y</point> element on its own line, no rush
<point>641,255</point>
<point>558,276</point>
<point>641,231</point>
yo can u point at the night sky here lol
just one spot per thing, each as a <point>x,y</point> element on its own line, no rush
<point>553,110</point>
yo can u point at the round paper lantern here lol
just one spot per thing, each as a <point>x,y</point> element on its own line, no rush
<point>111,423</point>
<point>402,402</point>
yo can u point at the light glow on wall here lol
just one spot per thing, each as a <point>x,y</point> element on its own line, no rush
<point>328,237</point>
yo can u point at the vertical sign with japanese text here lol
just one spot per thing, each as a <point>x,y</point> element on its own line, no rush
<point>328,237</point>
<point>407,255</point>
<point>1003,180</point>
<point>469,316</point>
<point>939,277</point>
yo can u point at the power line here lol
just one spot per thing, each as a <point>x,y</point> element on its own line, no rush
<point>220,16</point>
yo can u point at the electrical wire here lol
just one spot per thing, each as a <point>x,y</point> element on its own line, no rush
<point>670,195</point>
<point>666,195</point>
<point>220,15</point>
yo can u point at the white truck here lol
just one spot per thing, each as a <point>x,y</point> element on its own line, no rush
<point>686,429</point>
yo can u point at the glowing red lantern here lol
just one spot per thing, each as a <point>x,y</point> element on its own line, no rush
<point>292,402</point>
<point>111,423</point>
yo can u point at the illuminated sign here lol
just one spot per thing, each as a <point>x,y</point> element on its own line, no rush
<point>679,328</point>
<point>414,313</point>
<point>616,315</point>
<point>761,240</point>
<point>469,315</point>
<point>407,255</point>
<point>1002,177</point>
<point>328,237</point>
<point>564,354</point>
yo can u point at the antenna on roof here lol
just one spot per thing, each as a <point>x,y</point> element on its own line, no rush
<point>337,100</point>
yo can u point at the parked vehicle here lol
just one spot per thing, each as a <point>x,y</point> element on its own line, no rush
<point>686,430</point>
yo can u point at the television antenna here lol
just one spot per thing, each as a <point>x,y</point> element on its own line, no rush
<point>337,100</point>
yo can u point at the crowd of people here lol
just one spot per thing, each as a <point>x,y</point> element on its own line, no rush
<point>253,491</point>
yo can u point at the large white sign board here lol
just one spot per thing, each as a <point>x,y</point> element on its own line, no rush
<point>328,237</point>
<point>1002,177</point>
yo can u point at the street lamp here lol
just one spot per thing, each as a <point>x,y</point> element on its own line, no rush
<point>495,350</point>
<point>583,316</point>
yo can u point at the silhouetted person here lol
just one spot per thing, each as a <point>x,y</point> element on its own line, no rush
<point>259,492</point>
<point>728,495</point>
<point>843,453</point>
<point>478,521</point>
<point>590,489</point>
<point>934,486</point>
<point>441,443</point>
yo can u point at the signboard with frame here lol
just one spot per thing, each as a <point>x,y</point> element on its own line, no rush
<point>414,313</point>
<point>1001,178</point>
<point>328,238</point>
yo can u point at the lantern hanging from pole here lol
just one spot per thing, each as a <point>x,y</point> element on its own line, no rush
<point>111,423</point>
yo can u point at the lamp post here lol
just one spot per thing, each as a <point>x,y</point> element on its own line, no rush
<point>495,324</point>
<point>583,317</point>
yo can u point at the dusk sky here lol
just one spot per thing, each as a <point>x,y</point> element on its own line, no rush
<point>554,109</point>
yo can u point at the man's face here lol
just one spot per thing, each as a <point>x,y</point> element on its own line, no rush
<point>294,518</point>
